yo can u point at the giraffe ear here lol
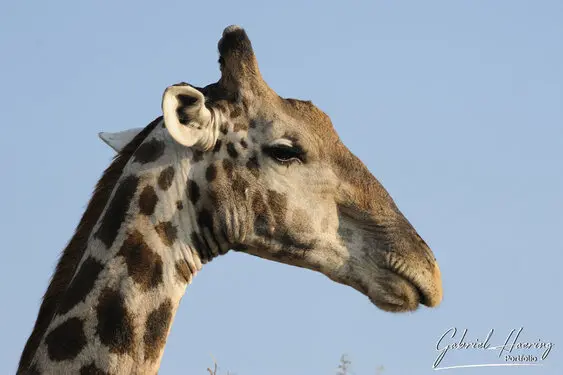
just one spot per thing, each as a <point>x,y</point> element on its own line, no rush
<point>187,118</point>
<point>119,140</point>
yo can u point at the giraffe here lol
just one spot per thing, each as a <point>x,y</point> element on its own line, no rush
<point>230,166</point>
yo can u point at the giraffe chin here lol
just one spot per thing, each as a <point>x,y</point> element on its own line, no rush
<point>395,293</point>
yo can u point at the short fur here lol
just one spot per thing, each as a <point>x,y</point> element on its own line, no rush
<point>72,254</point>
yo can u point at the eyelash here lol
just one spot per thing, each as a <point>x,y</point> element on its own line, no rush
<point>285,155</point>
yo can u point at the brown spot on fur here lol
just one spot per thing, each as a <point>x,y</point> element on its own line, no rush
<point>236,112</point>
<point>261,217</point>
<point>167,232</point>
<point>224,127</point>
<point>217,146</point>
<point>147,200</point>
<point>193,191</point>
<point>74,251</point>
<point>116,211</point>
<point>239,185</point>
<point>213,195</point>
<point>179,205</point>
<point>258,204</point>
<point>278,205</point>
<point>166,178</point>
<point>183,272</point>
<point>143,265</point>
<point>81,285</point>
<point>149,151</point>
<point>202,249</point>
<point>243,143</point>
<point>205,220</point>
<point>91,369</point>
<point>66,341</point>
<point>245,104</point>
<point>115,324</point>
<point>197,156</point>
<point>231,150</point>
<point>228,167</point>
<point>253,166</point>
<point>240,126</point>
<point>156,330</point>
<point>211,173</point>
<point>221,107</point>
<point>293,243</point>
<point>285,255</point>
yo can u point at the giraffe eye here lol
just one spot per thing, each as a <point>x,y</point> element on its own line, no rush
<point>285,154</point>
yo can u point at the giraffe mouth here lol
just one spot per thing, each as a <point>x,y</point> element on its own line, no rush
<point>400,291</point>
<point>395,293</point>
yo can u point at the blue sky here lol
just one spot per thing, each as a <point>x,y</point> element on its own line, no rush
<point>456,106</point>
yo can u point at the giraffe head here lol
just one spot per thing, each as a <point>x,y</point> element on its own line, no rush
<point>269,176</point>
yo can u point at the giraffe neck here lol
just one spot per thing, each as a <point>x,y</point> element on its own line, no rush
<point>144,249</point>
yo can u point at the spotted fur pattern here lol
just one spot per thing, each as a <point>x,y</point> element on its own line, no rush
<point>273,180</point>
<point>136,249</point>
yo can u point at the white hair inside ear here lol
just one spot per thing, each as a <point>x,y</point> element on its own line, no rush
<point>187,118</point>
<point>119,140</point>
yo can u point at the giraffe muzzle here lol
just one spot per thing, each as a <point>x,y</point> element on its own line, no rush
<point>401,291</point>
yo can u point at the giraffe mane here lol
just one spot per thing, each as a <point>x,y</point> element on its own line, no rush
<point>74,251</point>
